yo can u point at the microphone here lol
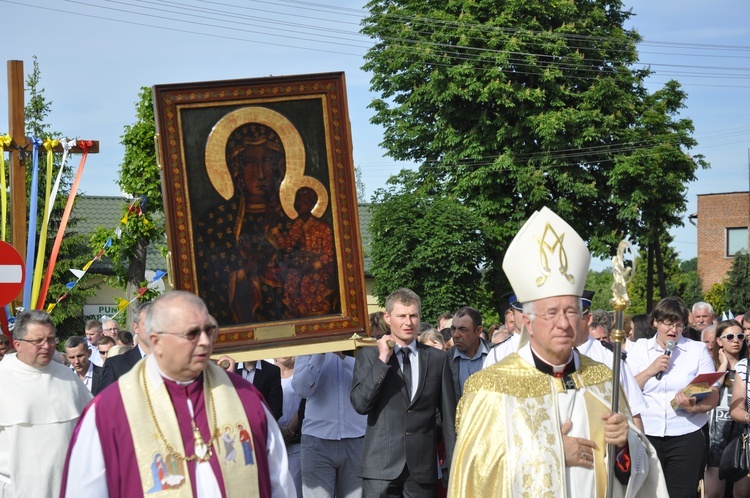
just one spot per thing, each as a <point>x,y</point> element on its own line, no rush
<point>667,351</point>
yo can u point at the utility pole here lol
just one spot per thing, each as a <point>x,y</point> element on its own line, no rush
<point>19,150</point>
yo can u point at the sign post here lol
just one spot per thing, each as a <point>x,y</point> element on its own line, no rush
<point>12,273</point>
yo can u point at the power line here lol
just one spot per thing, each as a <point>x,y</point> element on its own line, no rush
<point>521,66</point>
<point>454,54</point>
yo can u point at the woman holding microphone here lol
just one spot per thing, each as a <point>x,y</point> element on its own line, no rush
<point>663,366</point>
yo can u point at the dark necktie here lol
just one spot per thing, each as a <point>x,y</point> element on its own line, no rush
<point>407,369</point>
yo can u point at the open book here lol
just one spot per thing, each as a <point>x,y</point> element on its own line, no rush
<point>700,387</point>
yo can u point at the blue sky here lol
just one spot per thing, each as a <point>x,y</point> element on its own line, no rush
<point>94,56</point>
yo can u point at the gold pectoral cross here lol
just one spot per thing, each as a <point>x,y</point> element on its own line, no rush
<point>202,450</point>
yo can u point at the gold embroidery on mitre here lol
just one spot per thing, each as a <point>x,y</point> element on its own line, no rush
<point>544,246</point>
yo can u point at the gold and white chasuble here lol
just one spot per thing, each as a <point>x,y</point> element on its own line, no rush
<point>509,441</point>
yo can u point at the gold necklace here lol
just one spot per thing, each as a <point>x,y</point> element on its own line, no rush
<point>203,450</point>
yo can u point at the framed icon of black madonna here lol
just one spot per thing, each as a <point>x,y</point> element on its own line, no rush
<point>261,208</point>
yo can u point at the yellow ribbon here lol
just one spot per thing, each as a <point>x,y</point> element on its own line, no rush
<point>122,304</point>
<point>5,141</point>
<point>49,144</point>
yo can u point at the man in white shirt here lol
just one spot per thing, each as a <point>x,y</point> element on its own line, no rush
<point>78,355</point>
<point>597,351</point>
<point>110,328</point>
<point>703,315</point>
<point>94,332</point>
<point>42,403</point>
<point>516,339</point>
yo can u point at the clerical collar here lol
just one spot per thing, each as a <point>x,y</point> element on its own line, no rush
<point>178,382</point>
<point>557,371</point>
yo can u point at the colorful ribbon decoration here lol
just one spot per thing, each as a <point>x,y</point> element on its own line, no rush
<point>49,144</point>
<point>33,205</point>
<point>122,304</point>
<point>84,144</point>
<point>135,206</point>
<point>5,141</point>
<point>66,145</point>
<point>80,273</point>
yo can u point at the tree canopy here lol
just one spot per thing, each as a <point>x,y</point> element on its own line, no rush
<point>428,243</point>
<point>511,105</point>
<point>737,284</point>
<point>139,177</point>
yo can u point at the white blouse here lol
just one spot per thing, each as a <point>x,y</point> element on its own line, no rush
<point>689,359</point>
<point>740,369</point>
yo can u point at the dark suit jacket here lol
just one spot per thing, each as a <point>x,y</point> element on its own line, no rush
<point>454,362</point>
<point>96,379</point>
<point>267,380</point>
<point>399,431</point>
<point>116,367</point>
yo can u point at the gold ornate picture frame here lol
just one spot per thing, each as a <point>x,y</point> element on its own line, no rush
<point>261,208</point>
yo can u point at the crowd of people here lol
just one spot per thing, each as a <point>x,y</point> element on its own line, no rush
<point>520,408</point>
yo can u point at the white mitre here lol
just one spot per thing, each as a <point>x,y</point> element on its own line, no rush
<point>546,258</point>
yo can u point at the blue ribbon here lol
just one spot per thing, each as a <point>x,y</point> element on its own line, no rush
<point>33,204</point>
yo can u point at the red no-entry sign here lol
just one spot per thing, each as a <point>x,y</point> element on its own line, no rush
<point>12,273</point>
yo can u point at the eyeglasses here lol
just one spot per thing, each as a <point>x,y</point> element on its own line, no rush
<point>730,337</point>
<point>554,315</point>
<point>677,327</point>
<point>192,335</point>
<point>112,329</point>
<point>41,342</point>
<point>103,353</point>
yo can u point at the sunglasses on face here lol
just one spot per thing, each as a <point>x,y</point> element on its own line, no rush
<point>730,337</point>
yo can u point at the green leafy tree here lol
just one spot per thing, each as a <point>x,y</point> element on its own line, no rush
<point>650,183</point>
<point>688,283</point>
<point>430,244</point>
<point>601,283</point>
<point>689,265</point>
<point>738,284</point>
<point>140,177</point>
<point>508,106</point>
<point>75,251</point>
<point>638,289</point>
<point>716,296</point>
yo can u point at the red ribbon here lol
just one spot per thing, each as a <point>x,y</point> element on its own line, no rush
<point>83,144</point>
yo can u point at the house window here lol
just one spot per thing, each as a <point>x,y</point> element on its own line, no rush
<point>736,240</point>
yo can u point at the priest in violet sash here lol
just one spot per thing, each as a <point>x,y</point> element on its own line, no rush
<point>538,422</point>
<point>172,426</point>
